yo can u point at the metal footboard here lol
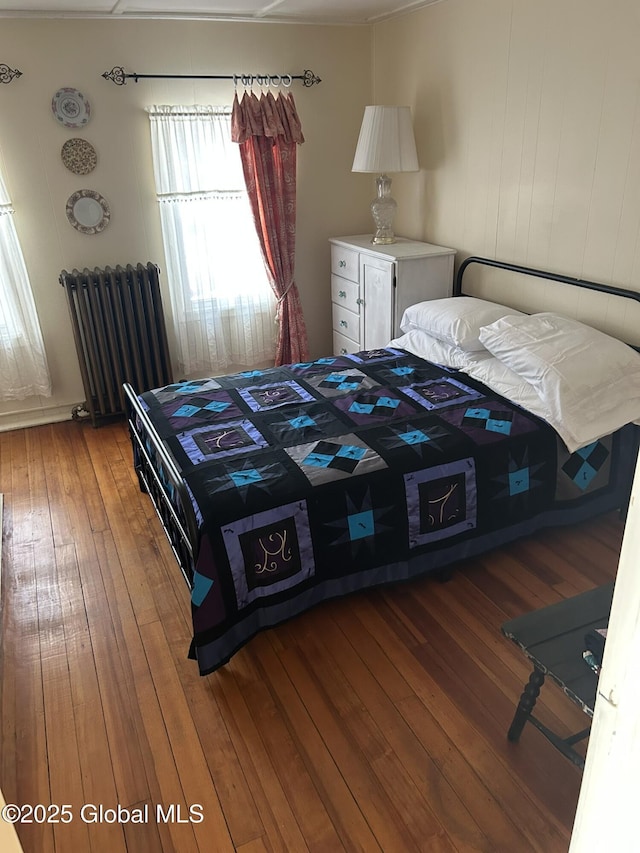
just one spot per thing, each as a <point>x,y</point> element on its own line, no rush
<point>161,479</point>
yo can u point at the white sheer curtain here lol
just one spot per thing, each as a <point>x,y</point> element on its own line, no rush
<point>23,363</point>
<point>223,305</point>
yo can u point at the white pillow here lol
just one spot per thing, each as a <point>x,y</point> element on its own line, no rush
<point>455,319</point>
<point>418,342</point>
<point>480,365</point>
<point>496,375</point>
<point>588,382</point>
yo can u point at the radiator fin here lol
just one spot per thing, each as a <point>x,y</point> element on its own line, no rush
<point>119,332</point>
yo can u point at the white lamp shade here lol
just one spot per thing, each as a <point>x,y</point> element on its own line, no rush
<point>386,142</point>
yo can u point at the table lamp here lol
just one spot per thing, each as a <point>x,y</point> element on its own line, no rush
<point>386,144</point>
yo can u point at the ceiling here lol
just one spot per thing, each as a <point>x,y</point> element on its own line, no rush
<point>293,11</point>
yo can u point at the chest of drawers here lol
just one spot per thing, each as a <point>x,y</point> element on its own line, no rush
<point>372,285</point>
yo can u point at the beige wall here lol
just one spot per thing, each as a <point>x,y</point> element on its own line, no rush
<point>527,123</point>
<point>56,53</point>
<point>528,129</point>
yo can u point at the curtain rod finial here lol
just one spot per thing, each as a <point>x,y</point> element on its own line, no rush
<point>8,74</point>
<point>116,75</point>
<point>309,78</point>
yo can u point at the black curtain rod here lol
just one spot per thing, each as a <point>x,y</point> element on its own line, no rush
<point>118,76</point>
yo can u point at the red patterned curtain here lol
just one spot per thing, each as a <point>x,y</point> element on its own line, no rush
<point>268,131</point>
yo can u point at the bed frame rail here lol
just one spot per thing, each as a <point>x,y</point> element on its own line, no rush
<point>162,481</point>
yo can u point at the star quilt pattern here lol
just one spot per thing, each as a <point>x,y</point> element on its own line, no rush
<point>324,477</point>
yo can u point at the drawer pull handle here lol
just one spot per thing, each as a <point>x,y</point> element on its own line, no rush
<point>344,323</point>
<point>359,301</point>
<point>342,263</point>
<point>342,294</point>
<point>343,351</point>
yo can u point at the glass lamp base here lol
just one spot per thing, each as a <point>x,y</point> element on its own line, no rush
<point>383,210</point>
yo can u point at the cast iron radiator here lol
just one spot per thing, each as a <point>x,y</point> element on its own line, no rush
<point>119,331</point>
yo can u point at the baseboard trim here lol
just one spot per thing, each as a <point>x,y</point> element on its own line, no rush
<point>35,417</point>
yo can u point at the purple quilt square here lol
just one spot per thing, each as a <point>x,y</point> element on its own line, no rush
<point>269,552</point>
<point>441,501</point>
<point>489,421</point>
<point>374,406</point>
<point>439,394</point>
<point>216,442</point>
<point>265,397</point>
<point>196,410</point>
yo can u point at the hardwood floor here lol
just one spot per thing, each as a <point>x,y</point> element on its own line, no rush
<point>376,722</point>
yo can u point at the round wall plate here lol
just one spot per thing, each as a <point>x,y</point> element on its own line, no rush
<point>79,156</point>
<point>88,212</point>
<point>70,107</point>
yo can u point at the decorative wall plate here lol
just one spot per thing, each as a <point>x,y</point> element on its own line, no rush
<point>79,156</point>
<point>88,212</point>
<point>70,107</point>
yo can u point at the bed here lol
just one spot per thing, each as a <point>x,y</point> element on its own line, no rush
<point>285,487</point>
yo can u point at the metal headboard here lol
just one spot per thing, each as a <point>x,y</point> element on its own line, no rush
<point>564,279</point>
<point>608,289</point>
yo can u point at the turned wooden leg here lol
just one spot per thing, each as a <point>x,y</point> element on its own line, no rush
<point>526,704</point>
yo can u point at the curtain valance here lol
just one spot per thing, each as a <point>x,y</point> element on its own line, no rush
<point>266,116</point>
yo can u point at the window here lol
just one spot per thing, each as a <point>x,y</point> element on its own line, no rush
<point>23,364</point>
<point>222,302</point>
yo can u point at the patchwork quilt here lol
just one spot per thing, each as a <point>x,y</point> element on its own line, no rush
<point>318,479</point>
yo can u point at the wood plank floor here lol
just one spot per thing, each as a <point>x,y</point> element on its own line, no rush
<point>377,722</point>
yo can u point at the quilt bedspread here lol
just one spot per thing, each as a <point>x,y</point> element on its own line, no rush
<point>317,479</point>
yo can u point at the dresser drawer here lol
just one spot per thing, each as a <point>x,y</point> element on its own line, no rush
<point>345,293</point>
<point>346,322</point>
<point>342,345</point>
<point>345,263</point>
